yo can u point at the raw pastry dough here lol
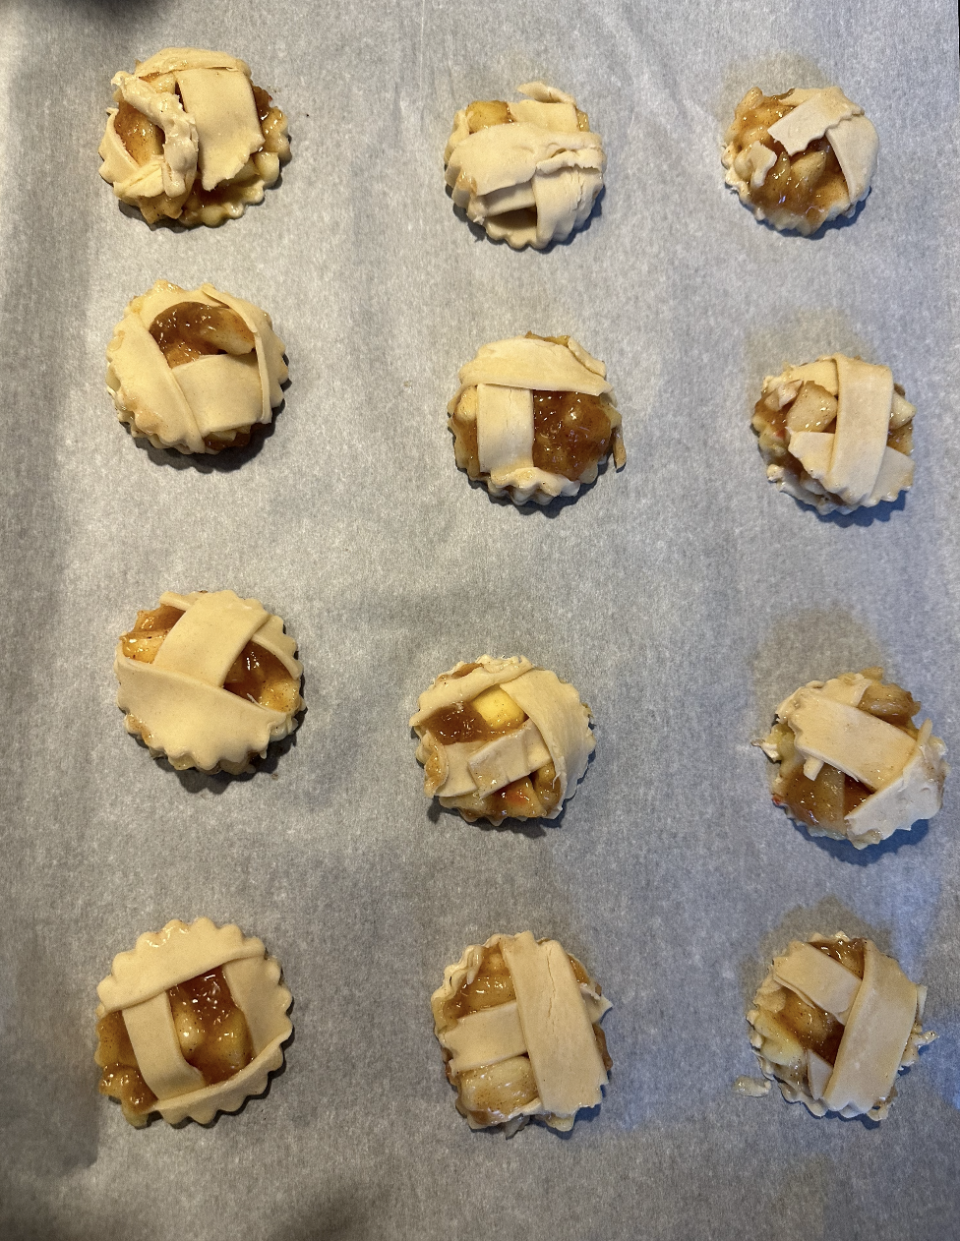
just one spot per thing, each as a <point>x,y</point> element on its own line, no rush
<point>191,1022</point>
<point>834,1022</point>
<point>534,417</point>
<point>836,433</point>
<point>528,172</point>
<point>192,139</point>
<point>194,370</point>
<point>801,158</point>
<point>518,1021</point>
<point>208,680</point>
<point>852,765</point>
<point>502,739</point>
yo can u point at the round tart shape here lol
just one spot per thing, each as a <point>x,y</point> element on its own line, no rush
<point>194,370</point>
<point>527,172</point>
<point>518,1021</point>
<point>534,418</point>
<point>208,680</point>
<point>801,158</point>
<point>852,764</point>
<point>502,739</point>
<point>192,138</point>
<point>836,433</point>
<point>191,1022</point>
<point>834,1022</point>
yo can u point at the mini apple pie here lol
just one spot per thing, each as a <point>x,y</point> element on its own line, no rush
<point>836,433</point>
<point>528,172</point>
<point>208,680</point>
<point>852,765</point>
<point>500,739</point>
<point>801,158</point>
<point>519,1023</point>
<point>834,1022</point>
<point>194,370</point>
<point>534,418</point>
<point>190,1023</point>
<point>192,138</point>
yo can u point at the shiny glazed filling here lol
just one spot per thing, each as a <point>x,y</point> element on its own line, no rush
<point>791,1026</point>
<point>807,184</point>
<point>824,803</point>
<point>189,330</point>
<point>211,1030</point>
<point>484,113</point>
<point>492,1093</point>
<point>530,797</point>
<point>572,434</point>
<point>812,409</point>
<point>255,674</point>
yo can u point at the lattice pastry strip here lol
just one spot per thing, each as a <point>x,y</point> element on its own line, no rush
<point>518,1021</point>
<point>834,1022</point>
<point>802,158</point>
<point>196,369</point>
<point>528,172</point>
<point>836,433</point>
<point>192,139</point>
<point>174,690</point>
<point>191,1022</point>
<point>502,739</point>
<point>534,418</point>
<point>852,764</point>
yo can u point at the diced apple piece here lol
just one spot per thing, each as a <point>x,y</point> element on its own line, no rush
<point>813,410</point>
<point>779,1045</point>
<point>483,113</point>
<point>498,708</point>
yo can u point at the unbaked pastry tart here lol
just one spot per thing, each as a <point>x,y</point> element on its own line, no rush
<point>501,739</point>
<point>801,158</point>
<point>852,764</point>
<point>836,433</point>
<point>528,172</point>
<point>534,418</point>
<point>208,680</point>
<point>834,1022</point>
<point>192,138</point>
<point>196,369</point>
<point>518,1021</point>
<point>190,1023</point>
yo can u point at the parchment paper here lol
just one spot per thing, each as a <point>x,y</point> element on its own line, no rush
<point>683,597</point>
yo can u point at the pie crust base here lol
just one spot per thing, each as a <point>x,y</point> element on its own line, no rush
<point>866,1024</point>
<point>534,418</point>
<point>176,954</point>
<point>527,172</point>
<point>836,433</point>
<point>810,165</point>
<point>519,755</point>
<point>211,402</point>
<point>192,139</point>
<point>517,1019</point>
<point>852,764</point>
<point>177,703</point>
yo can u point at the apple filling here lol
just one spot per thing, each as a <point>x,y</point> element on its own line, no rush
<point>256,674</point>
<point>494,714</point>
<point>824,802</point>
<point>492,1093</point>
<point>484,113</point>
<point>790,1026</point>
<point>191,330</point>
<point>212,1033</point>
<point>807,184</point>
<point>572,434</point>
